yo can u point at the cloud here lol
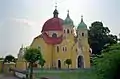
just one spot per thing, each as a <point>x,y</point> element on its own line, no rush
<point>25,21</point>
<point>14,33</point>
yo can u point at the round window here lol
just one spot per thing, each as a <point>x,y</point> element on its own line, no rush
<point>54,35</point>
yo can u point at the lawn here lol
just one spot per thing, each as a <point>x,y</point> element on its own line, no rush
<point>66,74</point>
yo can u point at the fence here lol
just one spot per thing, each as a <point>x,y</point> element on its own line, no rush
<point>23,74</point>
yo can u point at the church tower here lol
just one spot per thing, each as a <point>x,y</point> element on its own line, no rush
<point>82,32</point>
<point>68,27</point>
<point>82,37</point>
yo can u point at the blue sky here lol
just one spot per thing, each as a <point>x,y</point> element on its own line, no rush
<point>22,20</point>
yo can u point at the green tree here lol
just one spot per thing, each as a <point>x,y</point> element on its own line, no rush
<point>108,67</point>
<point>32,55</point>
<point>42,63</point>
<point>9,58</point>
<point>99,37</point>
<point>68,62</point>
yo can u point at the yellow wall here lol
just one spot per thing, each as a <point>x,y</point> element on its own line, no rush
<point>22,65</point>
<point>7,66</point>
<point>51,55</point>
<point>45,50</point>
<point>63,55</point>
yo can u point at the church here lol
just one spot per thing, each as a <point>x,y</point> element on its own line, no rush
<point>59,41</point>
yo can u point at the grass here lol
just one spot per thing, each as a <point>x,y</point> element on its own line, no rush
<point>78,74</point>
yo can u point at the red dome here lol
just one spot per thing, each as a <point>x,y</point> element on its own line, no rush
<point>53,24</point>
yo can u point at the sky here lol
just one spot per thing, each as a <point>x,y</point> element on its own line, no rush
<point>22,20</point>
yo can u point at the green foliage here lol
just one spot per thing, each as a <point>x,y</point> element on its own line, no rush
<point>68,62</point>
<point>99,36</point>
<point>9,58</point>
<point>66,74</point>
<point>1,58</point>
<point>32,55</point>
<point>107,67</point>
<point>42,62</point>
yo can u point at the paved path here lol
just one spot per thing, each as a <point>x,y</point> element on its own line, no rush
<point>2,76</point>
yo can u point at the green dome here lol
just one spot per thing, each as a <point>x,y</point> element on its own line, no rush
<point>68,20</point>
<point>82,25</point>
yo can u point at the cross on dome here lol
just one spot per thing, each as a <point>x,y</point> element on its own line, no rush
<point>55,5</point>
<point>81,18</point>
<point>55,13</point>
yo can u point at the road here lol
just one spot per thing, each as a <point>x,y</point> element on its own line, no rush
<point>2,76</point>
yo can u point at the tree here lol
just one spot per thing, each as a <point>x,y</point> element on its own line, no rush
<point>9,58</point>
<point>42,62</point>
<point>108,67</point>
<point>68,62</point>
<point>99,37</point>
<point>32,55</point>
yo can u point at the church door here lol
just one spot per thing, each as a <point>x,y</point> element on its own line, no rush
<point>80,62</point>
<point>59,64</point>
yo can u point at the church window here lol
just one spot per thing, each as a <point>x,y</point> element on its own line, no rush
<point>67,30</point>
<point>82,34</point>
<point>76,50</point>
<point>64,31</point>
<point>65,48</point>
<point>57,48</point>
<point>54,35</point>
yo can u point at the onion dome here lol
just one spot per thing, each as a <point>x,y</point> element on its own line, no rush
<point>53,24</point>
<point>68,20</point>
<point>82,25</point>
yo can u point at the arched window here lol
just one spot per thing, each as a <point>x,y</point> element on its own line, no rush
<point>80,62</point>
<point>76,50</point>
<point>54,35</point>
<point>82,34</point>
<point>67,30</point>
<point>64,31</point>
<point>63,49</point>
<point>57,48</point>
<point>59,64</point>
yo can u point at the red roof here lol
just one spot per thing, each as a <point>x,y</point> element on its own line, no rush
<point>53,24</point>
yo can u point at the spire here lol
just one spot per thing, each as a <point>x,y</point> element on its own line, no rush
<point>81,18</point>
<point>68,20</point>
<point>55,5</point>
<point>55,13</point>
<point>82,25</point>
<point>68,14</point>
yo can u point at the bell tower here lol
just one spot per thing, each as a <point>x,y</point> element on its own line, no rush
<point>82,37</point>
<point>68,27</point>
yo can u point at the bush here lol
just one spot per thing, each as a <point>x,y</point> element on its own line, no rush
<point>107,67</point>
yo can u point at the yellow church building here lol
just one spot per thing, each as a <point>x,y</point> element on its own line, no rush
<point>59,41</point>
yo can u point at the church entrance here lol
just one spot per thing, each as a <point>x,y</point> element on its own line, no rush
<point>59,64</point>
<point>80,62</point>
